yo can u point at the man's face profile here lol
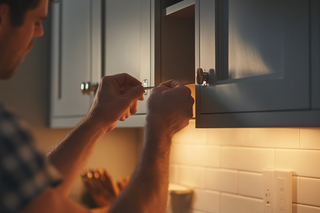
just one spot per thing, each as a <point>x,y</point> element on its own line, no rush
<point>16,42</point>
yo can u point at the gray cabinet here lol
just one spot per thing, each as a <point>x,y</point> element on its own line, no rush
<point>262,57</point>
<point>129,46</point>
<point>92,38</point>
<point>263,61</point>
<point>75,57</point>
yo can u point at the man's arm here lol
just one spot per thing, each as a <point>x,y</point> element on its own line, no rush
<point>169,110</point>
<point>116,99</point>
<point>50,201</point>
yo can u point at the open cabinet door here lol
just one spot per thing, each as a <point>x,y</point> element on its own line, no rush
<point>257,54</point>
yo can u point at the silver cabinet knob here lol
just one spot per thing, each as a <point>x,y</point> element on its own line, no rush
<point>88,87</point>
<point>202,76</point>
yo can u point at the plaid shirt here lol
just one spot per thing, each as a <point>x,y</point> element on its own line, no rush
<point>24,171</point>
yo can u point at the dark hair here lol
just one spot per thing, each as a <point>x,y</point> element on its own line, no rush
<point>18,9</point>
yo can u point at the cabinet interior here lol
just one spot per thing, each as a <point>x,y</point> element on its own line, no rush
<point>175,42</point>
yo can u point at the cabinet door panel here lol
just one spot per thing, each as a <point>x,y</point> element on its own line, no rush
<point>267,66</point>
<point>75,58</point>
<point>128,40</point>
<point>255,44</point>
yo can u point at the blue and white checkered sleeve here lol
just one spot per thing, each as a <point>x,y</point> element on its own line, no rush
<point>24,171</point>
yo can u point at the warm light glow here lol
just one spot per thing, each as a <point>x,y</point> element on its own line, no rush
<point>192,87</point>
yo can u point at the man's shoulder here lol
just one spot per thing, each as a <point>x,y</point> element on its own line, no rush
<point>12,127</point>
<point>6,112</point>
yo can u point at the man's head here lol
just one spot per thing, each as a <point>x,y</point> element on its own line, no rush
<point>20,22</point>
<point>18,9</point>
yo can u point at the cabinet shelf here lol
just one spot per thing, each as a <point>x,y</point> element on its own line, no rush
<point>182,9</point>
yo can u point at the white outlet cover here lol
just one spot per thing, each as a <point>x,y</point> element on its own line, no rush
<point>283,188</point>
<point>277,191</point>
<point>268,191</point>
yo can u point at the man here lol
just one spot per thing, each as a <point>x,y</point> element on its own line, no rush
<point>29,183</point>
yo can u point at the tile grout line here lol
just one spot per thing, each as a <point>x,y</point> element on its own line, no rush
<point>298,189</point>
<point>237,182</point>
<point>275,159</point>
<point>220,202</point>
<point>299,137</point>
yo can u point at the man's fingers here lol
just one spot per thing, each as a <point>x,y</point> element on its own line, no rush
<point>160,88</point>
<point>135,93</point>
<point>133,108</point>
<point>122,80</point>
<point>171,84</point>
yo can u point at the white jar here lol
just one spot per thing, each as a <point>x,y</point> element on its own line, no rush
<point>179,199</point>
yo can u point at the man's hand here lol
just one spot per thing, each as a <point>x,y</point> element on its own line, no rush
<point>116,98</point>
<point>169,107</point>
<point>169,110</point>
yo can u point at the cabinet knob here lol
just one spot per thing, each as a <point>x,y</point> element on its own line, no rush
<point>88,87</point>
<point>202,76</point>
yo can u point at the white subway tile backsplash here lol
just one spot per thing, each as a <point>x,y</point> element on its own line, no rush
<point>177,153</point>
<point>301,162</point>
<point>192,176</point>
<point>297,208</point>
<point>195,155</point>
<point>228,136</point>
<point>230,162</point>
<point>222,180</point>
<point>211,156</point>
<point>250,184</point>
<point>173,173</point>
<point>295,189</point>
<point>247,159</point>
<point>255,137</point>
<point>271,137</point>
<point>239,204</point>
<point>310,138</point>
<point>207,201</point>
<point>310,191</point>
<point>191,135</point>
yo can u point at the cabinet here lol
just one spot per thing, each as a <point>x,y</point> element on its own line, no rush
<point>93,38</point>
<point>263,62</point>
<point>262,57</point>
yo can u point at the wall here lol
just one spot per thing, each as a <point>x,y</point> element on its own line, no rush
<point>224,166</point>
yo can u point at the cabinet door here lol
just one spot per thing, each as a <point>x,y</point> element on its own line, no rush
<point>257,54</point>
<point>129,41</point>
<point>76,57</point>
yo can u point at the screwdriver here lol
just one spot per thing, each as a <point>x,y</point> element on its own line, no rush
<point>87,88</point>
<point>149,88</point>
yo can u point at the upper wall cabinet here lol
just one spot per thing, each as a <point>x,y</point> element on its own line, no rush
<point>129,46</point>
<point>75,58</point>
<point>262,58</point>
<point>93,38</point>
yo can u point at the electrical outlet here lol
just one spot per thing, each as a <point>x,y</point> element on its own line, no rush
<point>268,191</point>
<point>283,186</point>
<point>277,191</point>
